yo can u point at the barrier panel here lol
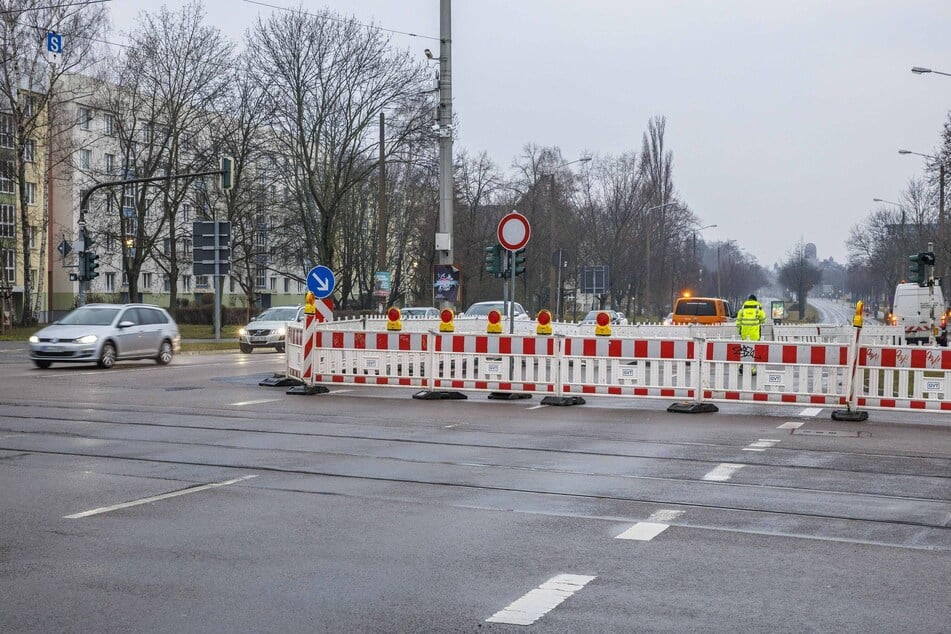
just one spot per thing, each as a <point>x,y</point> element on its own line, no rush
<point>908,377</point>
<point>371,358</point>
<point>294,351</point>
<point>495,363</point>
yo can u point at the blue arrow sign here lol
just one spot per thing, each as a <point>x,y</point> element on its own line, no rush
<point>321,281</point>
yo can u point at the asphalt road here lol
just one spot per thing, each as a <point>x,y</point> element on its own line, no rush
<point>187,498</point>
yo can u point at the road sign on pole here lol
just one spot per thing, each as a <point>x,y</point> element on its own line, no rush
<point>321,281</point>
<point>514,231</point>
<point>54,46</point>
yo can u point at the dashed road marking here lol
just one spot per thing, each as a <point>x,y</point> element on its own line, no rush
<point>791,425</point>
<point>541,600</point>
<point>343,391</point>
<point>156,498</point>
<point>536,407</point>
<point>644,531</point>
<point>262,400</point>
<point>722,472</point>
<point>760,445</point>
<point>810,411</point>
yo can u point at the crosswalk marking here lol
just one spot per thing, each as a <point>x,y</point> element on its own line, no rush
<point>541,600</point>
<point>722,472</point>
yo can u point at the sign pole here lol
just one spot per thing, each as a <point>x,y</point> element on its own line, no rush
<point>217,282</point>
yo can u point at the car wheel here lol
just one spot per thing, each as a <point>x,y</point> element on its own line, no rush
<point>279,347</point>
<point>245,348</point>
<point>108,357</point>
<point>43,364</point>
<point>165,353</point>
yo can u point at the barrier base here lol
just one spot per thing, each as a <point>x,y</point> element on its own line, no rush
<point>850,416</point>
<point>280,380</point>
<point>508,396</point>
<point>307,389</point>
<point>562,401</point>
<point>439,395</point>
<point>691,407</point>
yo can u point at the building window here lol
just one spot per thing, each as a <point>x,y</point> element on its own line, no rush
<point>9,265</point>
<point>7,222</point>
<point>110,282</point>
<point>186,283</point>
<point>166,286</point>
<point>29,151</point>
<point>201,281</point>
<point>166,245</point>
<point>186,212</point>
<point>231,285</point>
<point>110,123</point>
<point>128,196</point>
<point>147,281</point>
<point>6,177</point>
<point>6,131</point>
<point>85,158</point>
<point>273,283</point>
<point>85,116</point>
<point>300,287</point>
<point>31,193</point>
<point>110,163</point>
<point>260,277</point>
<point>29,106</point>
<point>287,285</point>
<point>31,236</point>
<point>125,278</point>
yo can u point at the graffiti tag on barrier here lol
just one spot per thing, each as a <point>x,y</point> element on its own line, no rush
<point>744,351</point>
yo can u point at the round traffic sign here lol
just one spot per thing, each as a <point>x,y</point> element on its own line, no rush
<point>514,231</point>
<point>321,281</point>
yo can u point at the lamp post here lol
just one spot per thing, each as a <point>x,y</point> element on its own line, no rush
<point>647,251</point>
<point>554,279</point>
<point>695,232</point>
<point>918,70</point>
<point>941,172</point>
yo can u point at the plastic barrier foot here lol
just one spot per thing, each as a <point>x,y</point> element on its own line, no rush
<point>280,380</point>
<point>508,396</point>
<point>691,407</point>
<point>850,415</point>
<point>307,389</point>
<point>562,401</point>
<point>439,395</point>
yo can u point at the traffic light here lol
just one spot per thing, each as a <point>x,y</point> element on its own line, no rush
<point>493,260</point>
<point>518,260</point>
<point>88,241</point>
<point>226,177</point>
<point>82,267</point>
<point>916,269</point>
<point>927,262</point>
<point>92,265</point>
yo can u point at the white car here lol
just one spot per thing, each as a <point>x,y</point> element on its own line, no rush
<point>411,312</point>
<point>268,329</point>
<point>481,310</point>
<point>617,317</point>
<point>106,333</point>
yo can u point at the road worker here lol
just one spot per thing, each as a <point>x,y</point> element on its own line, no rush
<point>749,322</point>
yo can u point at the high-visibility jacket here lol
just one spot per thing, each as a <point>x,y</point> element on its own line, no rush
<point>750,320</point>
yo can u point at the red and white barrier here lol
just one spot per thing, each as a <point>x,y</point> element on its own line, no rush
<point>908,377</point>
<point>494,363</point>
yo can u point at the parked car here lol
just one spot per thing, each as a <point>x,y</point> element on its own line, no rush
<point>617,318</point>
<point>106,333</point>
<point>702,310</point>
<point>411,312</point>
<point>480,310</point>
<point>268,329</point>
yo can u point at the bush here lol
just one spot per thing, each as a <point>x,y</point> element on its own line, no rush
<point>205,314</point>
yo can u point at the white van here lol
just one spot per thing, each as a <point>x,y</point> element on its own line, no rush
<point>920,309</point>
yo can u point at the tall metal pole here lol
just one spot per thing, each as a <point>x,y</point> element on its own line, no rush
<point>942,240</point>
<point>381,211</point>
<point>445,256</point>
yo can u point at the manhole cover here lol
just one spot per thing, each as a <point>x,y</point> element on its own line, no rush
<point>825,432</point>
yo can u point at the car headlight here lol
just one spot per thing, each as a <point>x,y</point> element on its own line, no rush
<point>88,339</point>
<point>242,332</point>
<point>34,339</point>
<point>280,331</point>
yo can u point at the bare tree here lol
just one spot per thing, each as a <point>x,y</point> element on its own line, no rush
<point>328,78</point>
<point>29,90</point>
<point>800,274</point>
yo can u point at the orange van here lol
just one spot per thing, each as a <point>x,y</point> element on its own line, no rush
<point>701,310</point>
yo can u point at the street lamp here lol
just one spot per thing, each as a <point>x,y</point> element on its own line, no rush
<point>647,251</point>
<point>918,70</point>
<point>941,173</point>
<point>554,280</point>
<point>695,232</point>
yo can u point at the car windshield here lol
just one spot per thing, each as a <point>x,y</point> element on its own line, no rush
<point>482,310</point>
<point>286,313</point>
<point>699,308</point>
<point>90,316</point>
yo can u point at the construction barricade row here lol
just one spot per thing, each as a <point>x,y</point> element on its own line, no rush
<point>852,375</point>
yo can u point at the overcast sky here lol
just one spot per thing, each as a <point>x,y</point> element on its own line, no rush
<point>784,118</point>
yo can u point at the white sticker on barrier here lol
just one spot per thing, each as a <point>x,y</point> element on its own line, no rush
<point>371,363</point>
<point>934,385</point>
<point>775,378</point>
<point>493,368</point>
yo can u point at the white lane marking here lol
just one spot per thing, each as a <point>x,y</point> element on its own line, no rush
<point>643,531</point>
<point>541,600</point>
<point>810,411</point>
<point>760,445</point>
<point>454,425</point>
<point>344,391</point>
<point>722,472</point>
<point>156,498</point>
<point>536,407</point>
<point>791,425</point>
<point>261,400</point>
<point>664,515</point>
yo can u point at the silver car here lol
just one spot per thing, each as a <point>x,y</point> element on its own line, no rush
<point>106,333</point>
<point>268,329</point>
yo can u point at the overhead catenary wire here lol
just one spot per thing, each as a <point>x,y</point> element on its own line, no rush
<point>367,26</point>
<point>80,3</point>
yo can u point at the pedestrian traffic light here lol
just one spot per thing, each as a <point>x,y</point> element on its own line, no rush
<point>92,265</point>
<point>493,260</point>
<point>916,269</point>
<point>226,177</point>
<point>518,261</point>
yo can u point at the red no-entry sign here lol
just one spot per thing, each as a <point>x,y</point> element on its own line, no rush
<point>514,231</point>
